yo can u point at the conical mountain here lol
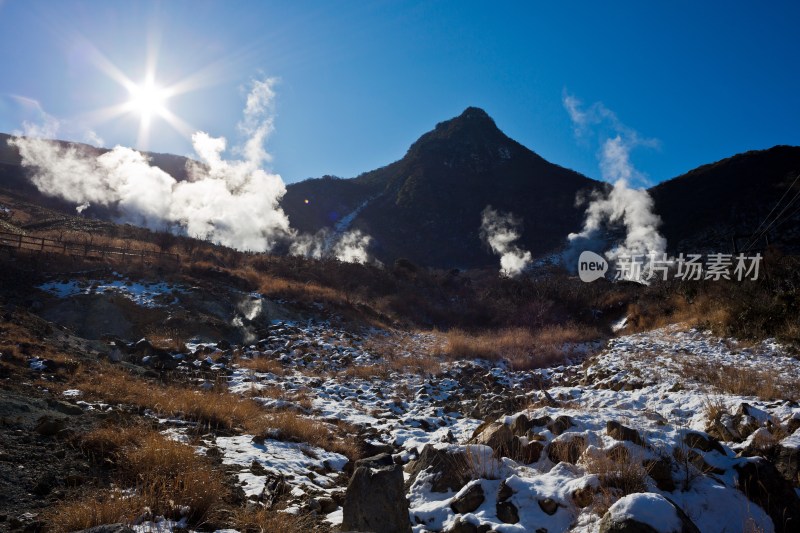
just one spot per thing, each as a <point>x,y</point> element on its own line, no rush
<point>427,206</point>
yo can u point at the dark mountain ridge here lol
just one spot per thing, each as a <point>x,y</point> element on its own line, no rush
<point>426,207</point>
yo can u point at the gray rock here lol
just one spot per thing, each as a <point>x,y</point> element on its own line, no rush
<point>469,500</point>
<point>449,469</point>
<point>375,501</point>
<point>619,432</point>
<point>629,524</point>
<point>702,441</point>
<point>462,526</point>
<point>764,485</point>
<point>507,512</point>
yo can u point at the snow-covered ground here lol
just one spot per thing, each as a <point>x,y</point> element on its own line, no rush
<point>644,383</point>
<point>143,294</point>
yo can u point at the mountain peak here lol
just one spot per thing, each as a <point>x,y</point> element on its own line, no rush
<point>473,113</point>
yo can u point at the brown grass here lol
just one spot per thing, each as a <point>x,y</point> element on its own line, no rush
<point>523,348</point>
<point>620,474</point>
<point>215,409</point>
<point>262,365</point>
<point>294,426</point>
<point>767,384</point>
<point>263,520</point>
<point>166,476</point>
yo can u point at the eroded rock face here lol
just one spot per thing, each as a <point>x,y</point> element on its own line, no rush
<point>375,501</point>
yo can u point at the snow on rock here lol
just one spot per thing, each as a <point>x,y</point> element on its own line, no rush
<point>646,508</point>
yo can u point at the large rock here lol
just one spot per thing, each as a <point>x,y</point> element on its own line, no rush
<point>763,484</point>
<point>469,500</point>
<point>646,512</point>
<point>619,432</point>
<point>375,501</point>
<point>567,449</point>
<point>787,459</point>
<point>498,437</point>
<point>449,469</point>
<point>703,441</point>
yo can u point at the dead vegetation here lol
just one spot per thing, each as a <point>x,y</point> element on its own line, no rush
<point>523,348</point>
<point>767,384</point>
<point>157,476</point>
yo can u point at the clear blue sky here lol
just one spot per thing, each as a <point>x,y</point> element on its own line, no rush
<point>361,80</point>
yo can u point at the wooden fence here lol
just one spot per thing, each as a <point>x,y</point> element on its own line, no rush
<point>29,243</point>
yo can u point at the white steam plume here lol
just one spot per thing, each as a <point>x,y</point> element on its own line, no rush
<point>230,202</point>
<point>499,231</point>
<point>349,247</point>
<point>622,205</point>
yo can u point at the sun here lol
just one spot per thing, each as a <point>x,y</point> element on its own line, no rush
<point>148,99</point>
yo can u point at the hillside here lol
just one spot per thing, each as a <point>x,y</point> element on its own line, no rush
<point>703,209</point>
<point>246,392</point>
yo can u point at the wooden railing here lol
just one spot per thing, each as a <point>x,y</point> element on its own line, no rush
<point>44,245</point>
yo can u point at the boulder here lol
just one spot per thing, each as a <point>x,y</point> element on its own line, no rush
<point>525,452</point>
<point>619,432</point>
<point>703,442</point>
<point>763,484</point>
<point>462,526</point>
<point>560,425</point>
<point>507,512</point>
<point>504,492</point>
<point>446,465</point>
<point>520,426</point>
<point>468,500</point>
<point>549,506</point>
<point>660,470</point>
<point>498,437</point>
<point>375,501</point>
<point>787,459</point>
<point>646,512</point>
<point>566,450</point>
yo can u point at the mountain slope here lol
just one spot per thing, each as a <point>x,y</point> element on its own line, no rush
<point>427,206</point>
<point>703,209</point>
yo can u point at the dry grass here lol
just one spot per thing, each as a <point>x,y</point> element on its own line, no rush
<point>263,520</point>
<point>767,384</point>
<point>102,507</point>
<point>167,477</point>
<point>214,409</point>
<point>620,474</point>
<point>293,426</point>
<point>523,348</point>
<point>262,365</point>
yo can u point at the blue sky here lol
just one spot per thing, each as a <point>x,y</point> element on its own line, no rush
<point>359,81</point>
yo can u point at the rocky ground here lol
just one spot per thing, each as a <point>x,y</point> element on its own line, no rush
<point>667,430</point>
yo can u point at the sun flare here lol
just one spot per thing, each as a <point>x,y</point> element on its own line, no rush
<point>148,99</point>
